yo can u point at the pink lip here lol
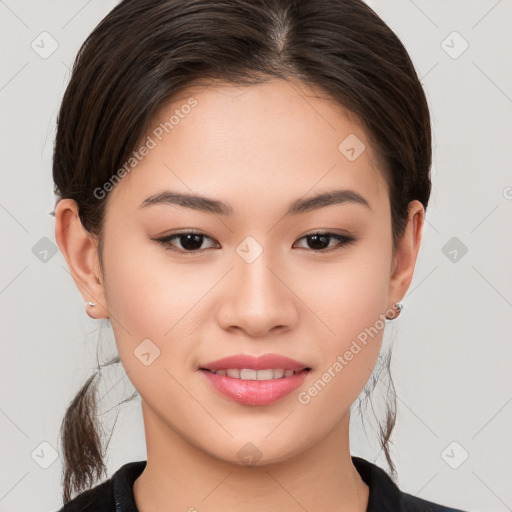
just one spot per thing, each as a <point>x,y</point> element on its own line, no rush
<point>255,392</point>
<point>262,362</point>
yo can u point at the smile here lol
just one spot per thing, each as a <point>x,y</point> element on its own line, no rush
<point>250,374</point>
<point>255,387</point>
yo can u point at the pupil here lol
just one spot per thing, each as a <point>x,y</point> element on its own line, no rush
<point>189,243</point>
<point>316,238</point>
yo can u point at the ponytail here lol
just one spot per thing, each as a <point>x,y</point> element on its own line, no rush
<point>81,441</point>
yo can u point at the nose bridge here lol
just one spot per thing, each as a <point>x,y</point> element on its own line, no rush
<point>258,299</point>
<point>257,286</point>
<point>257,281</point>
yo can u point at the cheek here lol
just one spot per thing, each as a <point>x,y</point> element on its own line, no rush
<point>145,302</point>
<point>349,294</point>
<point>348,359</point>
<point>352,306</point>
<point>149,297</point>
<point>145,293</point>
<point>137,296</point>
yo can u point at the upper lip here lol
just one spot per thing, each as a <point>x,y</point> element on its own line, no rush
<point>263,362</point>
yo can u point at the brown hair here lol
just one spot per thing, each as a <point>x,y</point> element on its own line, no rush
<point>145,51</point>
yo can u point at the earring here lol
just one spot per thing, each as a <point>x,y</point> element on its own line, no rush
<point>89,303</point>
<point>398,306</point>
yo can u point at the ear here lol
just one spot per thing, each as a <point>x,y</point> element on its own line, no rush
<point>404,261</point>
<point>80,250</point>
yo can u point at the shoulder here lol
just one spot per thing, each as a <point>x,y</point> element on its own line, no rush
<point>106,496</point>
<point>99,498</point>
<point>412,503</point>
<point>385,496</point>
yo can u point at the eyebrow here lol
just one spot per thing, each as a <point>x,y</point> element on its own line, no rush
<point>208,205</point>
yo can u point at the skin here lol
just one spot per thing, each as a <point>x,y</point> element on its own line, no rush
<point>257,148</point>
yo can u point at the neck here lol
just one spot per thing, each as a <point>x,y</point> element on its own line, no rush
<point>180,476</point>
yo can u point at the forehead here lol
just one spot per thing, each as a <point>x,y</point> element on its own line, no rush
<point>264,143</point>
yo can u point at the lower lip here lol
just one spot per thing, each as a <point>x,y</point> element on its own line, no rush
<point>255,392</point>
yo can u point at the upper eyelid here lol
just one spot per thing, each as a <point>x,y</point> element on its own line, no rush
<point>206,235</point>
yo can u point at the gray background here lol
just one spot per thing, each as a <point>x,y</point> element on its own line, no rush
<point>452,342</point>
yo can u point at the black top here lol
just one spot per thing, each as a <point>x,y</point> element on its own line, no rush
<point>116,494</point>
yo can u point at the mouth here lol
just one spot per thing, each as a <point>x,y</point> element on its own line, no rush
<point>252,374</point>
<point>264,363</point>
<point>255,380</point>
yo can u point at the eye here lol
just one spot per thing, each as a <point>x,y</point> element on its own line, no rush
<point>320,241</point>
<point>190,241</point>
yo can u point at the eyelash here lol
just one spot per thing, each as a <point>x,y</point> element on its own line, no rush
<point>344,241</point>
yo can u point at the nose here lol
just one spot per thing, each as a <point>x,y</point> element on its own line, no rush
<point>258,299</point>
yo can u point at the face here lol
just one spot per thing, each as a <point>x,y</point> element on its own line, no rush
<point>254,279</point>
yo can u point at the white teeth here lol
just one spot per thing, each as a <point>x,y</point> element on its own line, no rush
<point>260,374</point>
<point>249,374</point>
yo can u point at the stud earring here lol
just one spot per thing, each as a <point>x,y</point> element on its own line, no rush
<point>398,306</point>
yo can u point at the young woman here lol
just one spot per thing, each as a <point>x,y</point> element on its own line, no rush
<point>242,188</point>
